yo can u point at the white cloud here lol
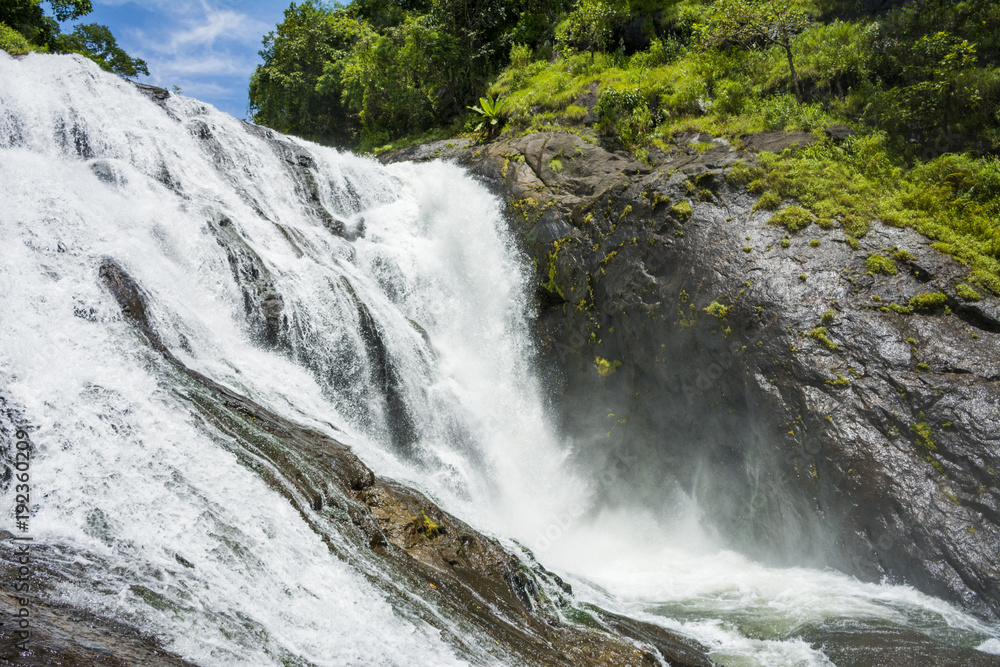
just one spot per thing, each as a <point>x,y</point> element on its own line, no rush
<point>209,64</point>
<point>207,47</point>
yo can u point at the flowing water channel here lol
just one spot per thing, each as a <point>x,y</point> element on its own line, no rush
<point>162,525</point>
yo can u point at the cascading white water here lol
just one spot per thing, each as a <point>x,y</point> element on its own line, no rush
<point>171,530</point>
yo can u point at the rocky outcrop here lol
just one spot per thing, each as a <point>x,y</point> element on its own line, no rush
<point>480,596</point>
<point>769,374</point>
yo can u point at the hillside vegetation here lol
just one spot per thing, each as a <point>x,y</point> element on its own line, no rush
<point>918,83</point>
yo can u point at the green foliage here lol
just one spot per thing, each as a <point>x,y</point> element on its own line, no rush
<point>67,10</point>
<point>952,199</point>
<point>660,52</point>
<point>682,211</point>
<point>520,56</point>
<point>12,41</point>
<point>718,310</point>
<point>298,89</point>
<point>605,367</point>
<point>626,114</point>
<point>25,27</point>
<point>375,71</point>
<point>96,42</point>
<point>28,18</point>
<point>397,82</point>
<point>784,112</point>
<point>768,202</point>
<point>937,62</point>
<point>491,112</point>
<point>428,527</point>
<point>754,23</point>
<point>831,59</point>
<point>592,24</point>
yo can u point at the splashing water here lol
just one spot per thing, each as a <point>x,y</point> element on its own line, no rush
<point>386,307</point>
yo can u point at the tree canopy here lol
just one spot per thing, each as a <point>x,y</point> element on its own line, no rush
<point>750,23</point>
<point>381,69</point>
<point>95,41</point>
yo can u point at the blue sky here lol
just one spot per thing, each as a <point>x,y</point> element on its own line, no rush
<point>206,47</point>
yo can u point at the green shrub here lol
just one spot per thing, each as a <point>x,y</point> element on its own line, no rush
<point>925,439</point>
<point>592,24</point>
<point>625,114</point>
<point>520,56</point>
<point>953,199</point>
<point>12,41</point>
<point>606,367</point>
<point>784,112</point>
<point>831,58</point>
<point>660,52</point>
<point>938,82</point>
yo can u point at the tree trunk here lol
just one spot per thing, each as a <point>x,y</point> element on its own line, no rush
<point>791,68</point>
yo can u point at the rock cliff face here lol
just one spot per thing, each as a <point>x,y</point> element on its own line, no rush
<point>769,374</point>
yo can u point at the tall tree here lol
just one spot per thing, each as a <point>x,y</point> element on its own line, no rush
<point>96,42</point>
<point>751,23</point>
<point>284,91</point>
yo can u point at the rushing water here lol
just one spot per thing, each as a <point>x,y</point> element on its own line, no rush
<point>203,212</point>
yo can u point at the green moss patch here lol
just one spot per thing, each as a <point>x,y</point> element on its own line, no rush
<point>819,334</point>
<point>880,264</point>
<point>792,218</point>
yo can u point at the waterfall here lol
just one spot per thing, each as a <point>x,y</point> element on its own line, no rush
<point>385,307</point>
